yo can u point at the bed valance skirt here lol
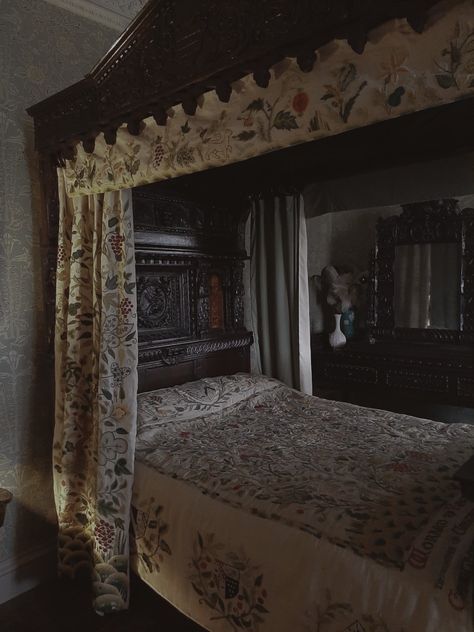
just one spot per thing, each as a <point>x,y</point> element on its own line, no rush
<point>96,351</point>
<point>399,72</point>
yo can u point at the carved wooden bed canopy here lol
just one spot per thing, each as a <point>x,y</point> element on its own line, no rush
<point>176,51</point>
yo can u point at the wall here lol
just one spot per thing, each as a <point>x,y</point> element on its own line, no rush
<point>42,50</point>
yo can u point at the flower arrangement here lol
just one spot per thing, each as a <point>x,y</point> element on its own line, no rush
<point>342,289</point>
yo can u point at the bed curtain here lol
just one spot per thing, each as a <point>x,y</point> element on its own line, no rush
<point>279,290</point>
<point>96,390</point>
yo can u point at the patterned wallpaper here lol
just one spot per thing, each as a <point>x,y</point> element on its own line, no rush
<point>42,50</point>
<point>127,8</point>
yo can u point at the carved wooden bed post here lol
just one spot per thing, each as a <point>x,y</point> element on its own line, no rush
<point>49,235</point>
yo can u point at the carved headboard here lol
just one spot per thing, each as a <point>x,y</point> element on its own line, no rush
<point>190,293</point>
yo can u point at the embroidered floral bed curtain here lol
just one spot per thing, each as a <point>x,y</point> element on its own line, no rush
<point>96,390</point>
<point>399,72</point>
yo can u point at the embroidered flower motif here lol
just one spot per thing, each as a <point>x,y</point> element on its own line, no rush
<point>119,412</point>
<point>110,447</point>
<point>150,540</point>
<point>115,331</point>
<point>119,373</point>
<point>394,66</point>
<point>300,102</point>
<point>228,584</point>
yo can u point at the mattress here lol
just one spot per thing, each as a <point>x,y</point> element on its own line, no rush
<point>258,508</point>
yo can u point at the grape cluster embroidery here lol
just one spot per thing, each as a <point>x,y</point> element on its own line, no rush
<point>126,307</point>
<point>158,154</point>
<point>104,534</point>
<point>116,242</point>
<point>61,256</point>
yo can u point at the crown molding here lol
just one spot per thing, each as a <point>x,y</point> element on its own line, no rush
<point>90,10</point>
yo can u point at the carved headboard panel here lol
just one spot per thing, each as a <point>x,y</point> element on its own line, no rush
<point>190,260</point>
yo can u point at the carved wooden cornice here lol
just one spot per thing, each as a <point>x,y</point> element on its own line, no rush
<point>176,50</point>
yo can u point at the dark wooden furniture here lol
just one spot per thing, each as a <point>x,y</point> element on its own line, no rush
<point>190,258</point>
<point>5,498</point>
<point>404,369</point>
<point>433,222</point>
<point>396,375</point>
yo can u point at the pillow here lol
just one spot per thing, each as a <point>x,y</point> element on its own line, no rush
<point>197,399</point>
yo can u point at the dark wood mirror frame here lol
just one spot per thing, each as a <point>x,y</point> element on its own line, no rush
<point>436,221</point>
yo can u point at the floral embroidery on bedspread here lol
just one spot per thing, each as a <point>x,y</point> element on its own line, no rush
<point>228,583</point>
<point>325,615</point>
<point>363,479</point>
<point>149,530</point>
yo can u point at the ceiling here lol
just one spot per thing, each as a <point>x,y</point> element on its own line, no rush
<point>116,14</point>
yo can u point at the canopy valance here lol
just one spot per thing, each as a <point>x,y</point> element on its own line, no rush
<point>400,71</point>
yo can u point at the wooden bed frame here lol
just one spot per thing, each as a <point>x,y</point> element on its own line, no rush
<point>174,51</point>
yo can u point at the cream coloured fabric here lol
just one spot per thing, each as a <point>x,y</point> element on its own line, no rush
<point>96,387</point>
<point>399,72</point>
<point>289,513</point>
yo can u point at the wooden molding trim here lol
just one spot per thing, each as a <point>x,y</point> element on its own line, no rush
<point>27,570</point>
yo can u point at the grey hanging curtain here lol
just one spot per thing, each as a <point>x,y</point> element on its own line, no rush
<point>279,290</point>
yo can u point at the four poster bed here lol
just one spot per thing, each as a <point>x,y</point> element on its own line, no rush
<point>253,506</point>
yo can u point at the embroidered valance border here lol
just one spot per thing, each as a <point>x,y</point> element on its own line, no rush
<point>399,72</point>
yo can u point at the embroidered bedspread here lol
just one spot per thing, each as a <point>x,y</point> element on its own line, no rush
<point>259,508</point>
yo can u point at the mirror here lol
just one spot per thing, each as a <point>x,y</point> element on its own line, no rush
<point>421,280</point>
<point>427,285</point>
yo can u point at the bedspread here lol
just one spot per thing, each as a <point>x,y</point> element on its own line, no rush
<point>259,508</point>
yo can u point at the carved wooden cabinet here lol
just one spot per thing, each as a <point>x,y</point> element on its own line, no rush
<point>387,373</point>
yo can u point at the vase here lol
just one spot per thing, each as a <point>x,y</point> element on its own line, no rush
<point>337,338</point>
<point>348,323</point>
